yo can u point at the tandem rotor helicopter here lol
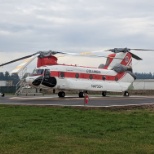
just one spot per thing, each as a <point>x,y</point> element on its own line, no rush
<point>116,75</point>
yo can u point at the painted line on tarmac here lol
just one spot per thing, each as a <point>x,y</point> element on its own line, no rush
<point>31,98</point>
<point>72,98</point>
<point>86,105</point>
<point>92,106</point>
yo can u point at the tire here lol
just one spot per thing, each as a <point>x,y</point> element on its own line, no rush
<point>104,93</point>
<point>126,93</point>
<point>61,94</point>
<point>81,94</point>
<point>2,94</point>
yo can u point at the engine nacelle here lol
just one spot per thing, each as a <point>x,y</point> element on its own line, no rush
<point>119,68</point>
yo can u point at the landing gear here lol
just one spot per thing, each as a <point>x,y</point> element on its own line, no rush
<point>126,93</point>
<point>2,94</point>
<point>81,94</point>
<point>104,93</point>
<point>61,94</point>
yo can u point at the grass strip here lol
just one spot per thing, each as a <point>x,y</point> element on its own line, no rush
<point>37,130</point>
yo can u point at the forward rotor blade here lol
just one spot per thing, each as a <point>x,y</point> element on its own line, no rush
<point>15,60</point>
<point>40,53</point>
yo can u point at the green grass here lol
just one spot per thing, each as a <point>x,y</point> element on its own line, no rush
<point>37,130</point>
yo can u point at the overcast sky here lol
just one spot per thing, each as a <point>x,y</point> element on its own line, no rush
<point>27,26</point>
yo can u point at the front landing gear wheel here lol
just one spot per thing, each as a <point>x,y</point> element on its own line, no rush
<point>104,93</point>
<point>61,94</point>
<point>126,93</point>
<point>2,94</point>
<point>81,94</point>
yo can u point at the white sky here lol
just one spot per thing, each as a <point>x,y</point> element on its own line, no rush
<point>75,26</point>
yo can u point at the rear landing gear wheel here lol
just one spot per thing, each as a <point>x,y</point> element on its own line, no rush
<point>61,94</point>
<point>81,94</point>
<point>104,93</point>
<point>126,93</point>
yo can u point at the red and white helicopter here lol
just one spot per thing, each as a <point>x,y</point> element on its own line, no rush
<point>114,76</point>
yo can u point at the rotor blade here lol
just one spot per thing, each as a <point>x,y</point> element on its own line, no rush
<point>91,52</point>
<point>117,50</point>
<point>15,60</point>
<point>23,64</point>
<point>40,53</point>
<point>143,49</point>
<point>135,56</point>
<point>109,57</point>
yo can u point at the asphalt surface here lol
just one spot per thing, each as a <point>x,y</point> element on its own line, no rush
<point>95,101</point>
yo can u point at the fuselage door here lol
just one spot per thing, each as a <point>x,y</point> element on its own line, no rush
<point>47,73</point>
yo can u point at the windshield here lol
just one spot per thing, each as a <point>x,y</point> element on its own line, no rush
<point>38,72</point>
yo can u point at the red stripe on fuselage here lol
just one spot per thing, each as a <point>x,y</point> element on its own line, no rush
<point>127,59</point>
<point>87,76</point>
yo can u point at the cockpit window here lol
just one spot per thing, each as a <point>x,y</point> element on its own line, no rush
<point>38,71</point>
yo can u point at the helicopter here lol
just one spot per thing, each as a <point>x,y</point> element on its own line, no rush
<point>116,75</point>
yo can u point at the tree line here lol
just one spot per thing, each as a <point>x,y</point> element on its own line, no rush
<point>7,77</point>
<point>144,75</point>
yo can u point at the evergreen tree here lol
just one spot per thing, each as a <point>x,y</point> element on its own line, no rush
<point>2,76</point>
<point>7,76</point>
<point>144,75</point>
<point>15,78</point>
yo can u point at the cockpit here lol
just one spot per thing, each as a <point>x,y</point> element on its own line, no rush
<point>37,72</point>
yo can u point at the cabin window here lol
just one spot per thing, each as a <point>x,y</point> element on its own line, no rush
<point>103,78</point>
<point>90,76</point>
<point>61,74</point>
<point>77,75</point>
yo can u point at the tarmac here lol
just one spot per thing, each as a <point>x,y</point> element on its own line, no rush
<point>73,100</point>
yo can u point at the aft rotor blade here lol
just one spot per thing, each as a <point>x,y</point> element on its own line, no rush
<point>135,56</point>
<point>143,49</point>
<point>117,50</point>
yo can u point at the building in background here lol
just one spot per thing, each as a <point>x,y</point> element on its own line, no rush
<point>143,84</point>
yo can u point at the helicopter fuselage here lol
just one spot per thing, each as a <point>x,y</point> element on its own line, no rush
<point>64,77</point>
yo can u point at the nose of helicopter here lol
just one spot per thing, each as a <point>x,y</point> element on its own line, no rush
<point>29,80</point>
<point>34,80</point>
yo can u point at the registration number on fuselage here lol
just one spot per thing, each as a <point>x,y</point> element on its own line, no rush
<point>96,86</point>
